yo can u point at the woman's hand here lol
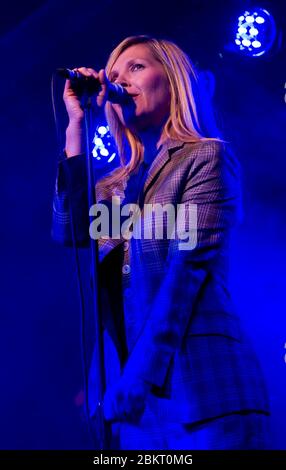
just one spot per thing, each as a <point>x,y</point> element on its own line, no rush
<point>126,400</point>
<point>72,95</point>
<point>72,99</point>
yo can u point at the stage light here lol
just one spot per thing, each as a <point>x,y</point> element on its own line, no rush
<point>256,44</point>
<point>112,157</point>
<point>102,130</point>
<point>104,150</point>
<point>245,42</point>
<point>249,19</point>
<point>255,33</point>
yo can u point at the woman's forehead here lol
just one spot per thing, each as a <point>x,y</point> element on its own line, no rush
<point>137,51</point>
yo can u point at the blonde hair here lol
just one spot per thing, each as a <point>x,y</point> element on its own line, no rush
<point>183,122</point>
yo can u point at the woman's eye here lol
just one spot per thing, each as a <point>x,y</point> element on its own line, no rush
<point>132,67</point>
<point>137,66</point>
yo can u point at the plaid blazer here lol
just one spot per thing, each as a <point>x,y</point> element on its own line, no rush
<point>169,316</point>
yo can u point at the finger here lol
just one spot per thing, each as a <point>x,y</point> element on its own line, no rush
<point>108,410</point>
<point>111,419</point>
<point>113,404</point>
<point>93,72</point>
<point>67,86</point>
<point>132,417</point>
<point>85,71</point>
<point>68,90</point>
<point>134,409</point>
<point>102,76</point>
<point>102,96</point>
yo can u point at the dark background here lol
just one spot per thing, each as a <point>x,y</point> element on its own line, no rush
<point>40,322</point>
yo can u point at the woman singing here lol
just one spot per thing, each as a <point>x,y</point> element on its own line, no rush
<point>180,373</point>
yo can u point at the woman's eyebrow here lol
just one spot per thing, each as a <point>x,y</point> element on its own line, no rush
<point>114,73</point>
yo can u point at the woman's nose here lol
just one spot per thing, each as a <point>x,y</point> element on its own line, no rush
<point>122,80</point>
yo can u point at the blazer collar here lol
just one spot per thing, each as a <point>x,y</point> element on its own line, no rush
<point>165,152</point>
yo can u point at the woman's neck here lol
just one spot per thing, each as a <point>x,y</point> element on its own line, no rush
<point>151,140</point>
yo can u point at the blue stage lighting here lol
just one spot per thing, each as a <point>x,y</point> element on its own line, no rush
<point>255,33</point>
<point>104,150</point>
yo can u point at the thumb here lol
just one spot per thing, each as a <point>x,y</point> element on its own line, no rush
<point>108,408</point>
<point>102,95</point>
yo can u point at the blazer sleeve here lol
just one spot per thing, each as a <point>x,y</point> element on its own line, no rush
<point>70,203</point>
<point>212,185</point>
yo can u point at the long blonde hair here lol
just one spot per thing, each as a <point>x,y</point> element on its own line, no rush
<point>183,122</point>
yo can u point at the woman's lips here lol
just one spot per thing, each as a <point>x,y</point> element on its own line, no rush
<point>131,99</point>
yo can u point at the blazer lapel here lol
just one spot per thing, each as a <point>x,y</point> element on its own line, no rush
<point>160,161</point>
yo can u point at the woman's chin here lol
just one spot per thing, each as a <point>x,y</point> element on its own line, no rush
<point>138,122</point>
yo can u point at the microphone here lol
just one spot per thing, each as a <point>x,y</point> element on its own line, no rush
<point>115,92</point>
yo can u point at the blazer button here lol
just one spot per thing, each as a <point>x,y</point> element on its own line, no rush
<point>125,246</point>
<point>126,269</point>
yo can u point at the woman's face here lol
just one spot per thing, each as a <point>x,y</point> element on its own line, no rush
<point>145,80</point>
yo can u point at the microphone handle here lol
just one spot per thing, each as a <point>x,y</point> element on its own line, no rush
<point>81,83</point>
<point>116,92</point>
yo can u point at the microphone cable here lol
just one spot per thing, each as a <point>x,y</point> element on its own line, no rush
<point>83,339</point>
